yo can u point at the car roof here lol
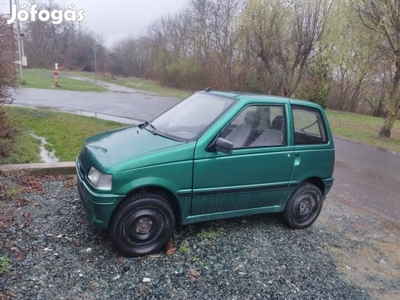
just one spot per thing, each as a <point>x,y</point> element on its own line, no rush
<point>262,97</point>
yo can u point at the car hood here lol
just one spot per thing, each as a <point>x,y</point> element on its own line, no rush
<point>114,147</point>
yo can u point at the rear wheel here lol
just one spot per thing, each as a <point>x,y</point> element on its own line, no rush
<point>303,207</point>
<point>141,225</point>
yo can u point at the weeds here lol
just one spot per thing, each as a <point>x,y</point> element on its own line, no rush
<point>209,234</point>
<point>4,265</point>
<point>7,192</point>
<point>198,260</point>
<point>184,249</point>
<point>12,192</point>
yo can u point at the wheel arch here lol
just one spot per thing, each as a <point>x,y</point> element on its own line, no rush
<point>160,191</point>
<point>318,183</point>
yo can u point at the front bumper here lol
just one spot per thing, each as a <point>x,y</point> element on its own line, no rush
<point>98,206</point>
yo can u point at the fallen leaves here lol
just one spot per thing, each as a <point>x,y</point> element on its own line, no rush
<point>143,289</point>
<point>8,295</point>
<point>170,248</point>
<point>193,275</point>
<point>5,220</point>
<point>30,184</point>
<point>3,188</point>
<point>69,182</point>
<point>22,202</point>
<point>94,287</point>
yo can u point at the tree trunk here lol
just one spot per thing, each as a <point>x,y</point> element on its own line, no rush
<point>393,105</point>
<point>386,129</point>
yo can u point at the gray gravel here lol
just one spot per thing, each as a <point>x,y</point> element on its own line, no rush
<point>56,253</point>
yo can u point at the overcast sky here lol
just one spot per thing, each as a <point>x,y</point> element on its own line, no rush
<point>115,19</point>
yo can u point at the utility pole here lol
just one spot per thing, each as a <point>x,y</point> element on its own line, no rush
<point>21,55</point>
<point>94,48</point>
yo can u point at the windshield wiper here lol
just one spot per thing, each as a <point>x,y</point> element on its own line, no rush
<point>153,129</point>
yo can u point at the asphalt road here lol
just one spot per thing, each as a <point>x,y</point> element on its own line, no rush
<point>365,175</point>
<point>368,176</point>
<point>124,103</point>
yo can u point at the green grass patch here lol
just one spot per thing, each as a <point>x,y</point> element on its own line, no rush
<point>44,79</point>
<point>184,249</point>
<point>25,149</point>
<point>209,234</point>
<point>364,129</point>
<point>139,84</point>
<point>4,265</point>
<point>64,131</point>
<point>12,191</point>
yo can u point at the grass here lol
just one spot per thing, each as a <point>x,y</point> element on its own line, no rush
<point>12,191</point>
<point>44,79</point>
<point>184,249</point>
<point>66,132</point>
<point>4,265</point>
<point>25,149</point>
<point>364,129</point>
<point>209,234</point>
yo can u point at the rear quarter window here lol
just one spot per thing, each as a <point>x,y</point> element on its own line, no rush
<point>309,126</point>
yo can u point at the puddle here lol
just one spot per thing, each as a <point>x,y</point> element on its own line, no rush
<point>45,155</point>
<point>106,117</point>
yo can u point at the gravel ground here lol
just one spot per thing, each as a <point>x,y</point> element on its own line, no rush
<point>55,253</point>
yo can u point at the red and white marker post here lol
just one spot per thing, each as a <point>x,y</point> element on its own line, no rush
<point>55,73</point>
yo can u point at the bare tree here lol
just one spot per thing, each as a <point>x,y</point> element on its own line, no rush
<point>195,47</point>
<point>216,38</point>
<point>347,48</point>
<point>383,18</point>
<point>174,51</point>
<point>65,43</point>
<point>282,35</point>
<point>130,57</point>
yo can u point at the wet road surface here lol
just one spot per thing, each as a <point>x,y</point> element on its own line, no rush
<point>125,103</point>
<point>368,176</point>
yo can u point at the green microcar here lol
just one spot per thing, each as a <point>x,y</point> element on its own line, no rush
<point>214,155</point>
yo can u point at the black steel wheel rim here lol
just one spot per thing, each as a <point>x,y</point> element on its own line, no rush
<point>143,227</point>
<point>304,208</point>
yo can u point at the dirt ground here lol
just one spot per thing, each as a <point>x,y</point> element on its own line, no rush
<point>368,254</point>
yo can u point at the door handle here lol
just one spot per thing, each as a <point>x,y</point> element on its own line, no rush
<point>297,159</point>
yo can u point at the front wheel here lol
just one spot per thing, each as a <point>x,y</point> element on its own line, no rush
<point>142,225</point>
<point>303,207</point>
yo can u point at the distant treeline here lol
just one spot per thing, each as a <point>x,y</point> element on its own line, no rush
<point>343,54</point>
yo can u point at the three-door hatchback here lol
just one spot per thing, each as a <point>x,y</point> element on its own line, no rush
<point>214,155</point>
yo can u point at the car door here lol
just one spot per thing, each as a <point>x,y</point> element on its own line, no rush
<point>314,149</point>
<point>257,172</point>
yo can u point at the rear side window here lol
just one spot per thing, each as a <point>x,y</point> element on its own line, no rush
<point>309,127</point>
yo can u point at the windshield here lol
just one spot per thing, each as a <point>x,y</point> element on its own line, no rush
<point>188,119</point>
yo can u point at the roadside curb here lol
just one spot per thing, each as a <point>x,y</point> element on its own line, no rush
<point>59,168</point>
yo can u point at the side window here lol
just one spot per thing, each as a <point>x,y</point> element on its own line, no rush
<point>309,127</point>
<point>257,126</point>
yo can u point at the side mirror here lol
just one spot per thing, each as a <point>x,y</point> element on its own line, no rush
<point>224,146</point>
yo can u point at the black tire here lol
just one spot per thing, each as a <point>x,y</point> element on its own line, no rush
<point>142,225</point>
<point>303,207</point>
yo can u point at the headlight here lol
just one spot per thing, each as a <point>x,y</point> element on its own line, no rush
<point>99,180</point>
